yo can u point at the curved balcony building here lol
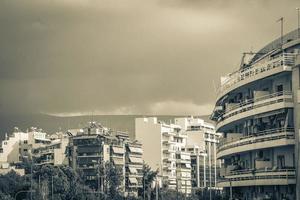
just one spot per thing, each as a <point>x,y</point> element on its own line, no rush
<point>257,112</point>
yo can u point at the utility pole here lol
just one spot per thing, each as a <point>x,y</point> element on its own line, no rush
<point>144,195</point>
<point>281,31</point>
<point>156,189</point>
<point>177,188</point>
<point>31,178</point>
<point>230,189</point>
<point>52,197</point>
<point>185,190</point>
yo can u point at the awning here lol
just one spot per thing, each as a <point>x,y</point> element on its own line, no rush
<point>188,165</point>
<point>81,137</point>
<point>185,157</point>
<point>118,161</point>
<point>118,150</point>
<point>133,181</point>
<point>135,159</point>
<point>135,150</point>
<point>132,170</point>
<point>43,139</point>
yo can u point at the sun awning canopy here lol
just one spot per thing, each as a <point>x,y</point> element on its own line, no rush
<point>133,180</point>
<point>118,161</point>
<point>185,157</point>
<point>188,165</point>
<point>135,150</point>
<point>132,170</point>
<point>118,150</point>
<point>135,159</point>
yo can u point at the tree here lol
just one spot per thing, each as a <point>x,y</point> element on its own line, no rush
<point>12,182</point>
<point>5,196</point>
<point>148,178</point>
<point>113,180</point>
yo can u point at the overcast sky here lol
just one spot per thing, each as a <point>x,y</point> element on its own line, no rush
<point>71,57</point>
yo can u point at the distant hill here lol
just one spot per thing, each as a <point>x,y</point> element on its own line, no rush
<point>52,123</point>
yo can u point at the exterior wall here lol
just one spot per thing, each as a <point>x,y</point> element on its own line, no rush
<point>10,147</point>
<point>201,142</point>
<point>296,93</point>
<point>149,133</point>
<point>90,149</point>
<point>133,170</point>
<point>163,146</point>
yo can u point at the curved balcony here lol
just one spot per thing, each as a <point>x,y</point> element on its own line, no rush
<point>263,139</point>
<point>258,178</point>
<point>250,107</point>
<point>257,71</point>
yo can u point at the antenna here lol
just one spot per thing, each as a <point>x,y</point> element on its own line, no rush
<point>281,36</point>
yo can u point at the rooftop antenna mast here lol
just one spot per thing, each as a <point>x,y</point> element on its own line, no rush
<point>298,22</point>
<point>281,26</point>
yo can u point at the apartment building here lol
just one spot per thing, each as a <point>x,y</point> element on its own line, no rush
<point>163,149</point>
<point>19,144</point>
<point>257,110</point>
<point>201,142</point>
<point>133,167</point>
<point>95,145</point>
<point>54,152</point>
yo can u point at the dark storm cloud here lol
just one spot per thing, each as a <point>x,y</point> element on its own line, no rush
<point>140,57</point>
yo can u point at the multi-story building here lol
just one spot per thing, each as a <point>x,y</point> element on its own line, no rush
<point>201,143</point>
<point>163,149</point>
<point>134,167</point>
<point>19,144</point>
<point>257,110</point>
<point>94,146</point>
<point>53,153</point>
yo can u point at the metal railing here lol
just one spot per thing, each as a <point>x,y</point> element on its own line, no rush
<point>285,59</point>
<point>259,174</point>
<point>261,136</point>
<point>250,104</point>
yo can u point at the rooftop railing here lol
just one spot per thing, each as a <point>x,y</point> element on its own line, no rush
<point>285,59</point>
<point>249,104</point>
<point>259,174</point>
<point>261,136</point>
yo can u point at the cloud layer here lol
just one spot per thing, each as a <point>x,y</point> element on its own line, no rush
<point>127,56</point>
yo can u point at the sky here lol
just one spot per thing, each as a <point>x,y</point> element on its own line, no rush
<point>158,57</point>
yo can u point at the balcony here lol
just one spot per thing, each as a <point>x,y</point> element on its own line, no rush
<point>281,63</point>
<point>85,155</point>
<point>263,139</point>
<point>251,107</point>
<point>258,178</point>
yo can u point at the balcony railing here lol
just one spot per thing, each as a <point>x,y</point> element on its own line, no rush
<point>244,175</point>
<point>261,136</point>
<point>285,59</point>
<point>250,104</point>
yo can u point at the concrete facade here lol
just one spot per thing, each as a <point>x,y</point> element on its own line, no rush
<point>257,110</point>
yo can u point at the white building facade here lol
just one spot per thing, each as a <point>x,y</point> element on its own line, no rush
<point>163,149</point>
<point>257,110</point>
<point>201,142</point>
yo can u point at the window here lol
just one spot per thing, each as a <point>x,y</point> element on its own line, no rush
<point>25,150</point>
<point>25,141</point>
<point>260,154</point>
<point>280,161</point>
<point>279,88</point>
